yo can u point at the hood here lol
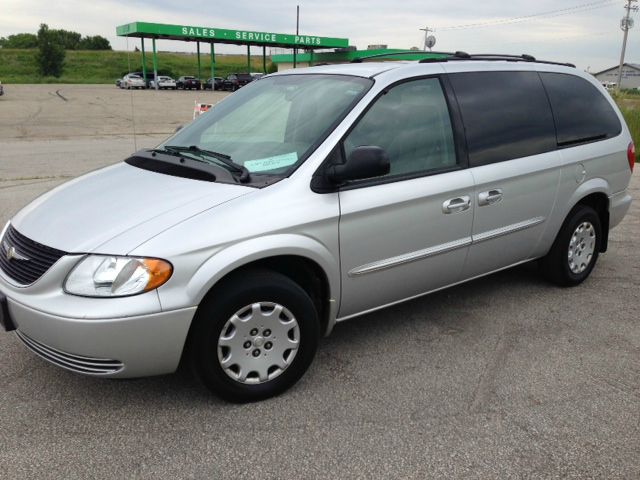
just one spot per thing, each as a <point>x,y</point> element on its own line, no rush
<point>84,214</point>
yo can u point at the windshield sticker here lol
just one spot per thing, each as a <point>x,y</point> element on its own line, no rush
<point>271,163</point>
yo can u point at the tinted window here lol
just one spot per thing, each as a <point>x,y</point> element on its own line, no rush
<point>411,122</point>
<point>581,112</point>
<point>506,115</point>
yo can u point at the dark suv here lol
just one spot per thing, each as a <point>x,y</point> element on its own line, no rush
<point>214,83</point>
<point>187,82</point>
<point>236,80</point>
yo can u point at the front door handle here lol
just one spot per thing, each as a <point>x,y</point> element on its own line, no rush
<point>490,197</point>
<point>456,205</point>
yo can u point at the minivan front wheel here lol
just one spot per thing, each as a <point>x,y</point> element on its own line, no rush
<point>575,250</point>
<point>254,337</point>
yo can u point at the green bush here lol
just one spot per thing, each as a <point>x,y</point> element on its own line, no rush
<point>105,66</point>
<point>50,56</point>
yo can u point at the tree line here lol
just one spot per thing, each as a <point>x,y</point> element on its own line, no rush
<point>52,44</point>
<point>67,39</point>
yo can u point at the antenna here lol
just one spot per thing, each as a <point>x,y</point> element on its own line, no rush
<point>429,40</point>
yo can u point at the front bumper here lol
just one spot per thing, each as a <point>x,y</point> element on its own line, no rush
<point>128,336</point>
<point>137,346</point>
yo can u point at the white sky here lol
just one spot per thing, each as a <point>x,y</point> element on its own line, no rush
<point>584,32</point>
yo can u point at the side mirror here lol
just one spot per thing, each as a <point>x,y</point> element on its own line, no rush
<point>366,161</point>
<point>178,128</point>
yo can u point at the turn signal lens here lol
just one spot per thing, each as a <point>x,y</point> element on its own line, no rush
<point>159,272</point>
<point>631,155</point>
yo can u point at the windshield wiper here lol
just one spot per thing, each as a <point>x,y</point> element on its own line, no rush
<point>244,177</point>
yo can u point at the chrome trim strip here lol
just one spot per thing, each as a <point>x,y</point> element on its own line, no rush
<point>506,230</point>
<point>410,257</point>
<point>443,248</point>
<point>75,363</point>
<point>413,297</point>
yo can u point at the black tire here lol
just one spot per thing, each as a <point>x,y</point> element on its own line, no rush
<point>233,296</point>
<point>556,265</point>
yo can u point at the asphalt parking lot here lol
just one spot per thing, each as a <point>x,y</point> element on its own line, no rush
<point>503,377</point>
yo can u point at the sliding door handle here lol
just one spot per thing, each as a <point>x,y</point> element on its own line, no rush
<point>490,197</point>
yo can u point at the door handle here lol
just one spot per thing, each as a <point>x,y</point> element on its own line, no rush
<point>490,197</point>
<point>456,205</point>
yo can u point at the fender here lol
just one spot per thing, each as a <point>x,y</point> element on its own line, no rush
<point>239,254</point>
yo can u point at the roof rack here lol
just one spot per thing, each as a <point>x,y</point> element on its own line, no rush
<point>460,56</point>
<point>406,52</point>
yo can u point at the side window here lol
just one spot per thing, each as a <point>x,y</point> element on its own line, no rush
<point>506,115</point>
<point>581,112</point>
<point>411,123</point>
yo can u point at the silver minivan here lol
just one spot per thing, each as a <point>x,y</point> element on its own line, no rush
<point>308,198</point>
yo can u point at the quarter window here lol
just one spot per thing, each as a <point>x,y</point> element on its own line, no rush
<point>411,123</point>
<point>581,112</point>
<point>506,115</point>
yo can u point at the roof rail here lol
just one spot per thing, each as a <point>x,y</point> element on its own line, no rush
<point>458,56</point>
<point>406,52</point>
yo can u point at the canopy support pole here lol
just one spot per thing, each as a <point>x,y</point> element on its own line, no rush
<point>198,49</point>
<point>155,63</point>
<point>264,59</point>
<point>144,62</point>
<point>213,67</point>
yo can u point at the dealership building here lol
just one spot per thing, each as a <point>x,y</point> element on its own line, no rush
<point>630,75</point>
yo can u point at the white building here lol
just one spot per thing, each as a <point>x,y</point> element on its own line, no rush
<point>630,75</point>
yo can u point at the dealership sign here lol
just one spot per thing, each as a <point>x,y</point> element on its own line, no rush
<point>219,35</point>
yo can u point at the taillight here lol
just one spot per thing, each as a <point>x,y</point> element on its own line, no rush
<point>631,155</point>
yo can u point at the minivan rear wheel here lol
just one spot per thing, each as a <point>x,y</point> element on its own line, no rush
<point>254,336</point>
<point>575,250</point>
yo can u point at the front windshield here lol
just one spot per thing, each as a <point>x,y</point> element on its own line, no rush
<point>273,125</point>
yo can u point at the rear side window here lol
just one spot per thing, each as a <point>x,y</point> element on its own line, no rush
<point>506,115</point>
<point>581,112</point>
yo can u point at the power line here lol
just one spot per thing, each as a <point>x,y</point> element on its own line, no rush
<point>564,37</point>
<point>536,16</point>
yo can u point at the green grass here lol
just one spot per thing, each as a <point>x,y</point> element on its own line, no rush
<point>629,104</point>
<point>19,66</point>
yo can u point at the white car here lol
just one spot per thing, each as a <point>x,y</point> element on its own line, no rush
<point>163,83</point>
<point>132,80</point>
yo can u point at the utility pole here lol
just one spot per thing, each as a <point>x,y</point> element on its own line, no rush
<point>626,24</point>
<point>427,43</point>
<point>295,50</point>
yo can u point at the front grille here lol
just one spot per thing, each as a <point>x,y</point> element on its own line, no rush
<point>24,260</point>
<point>75,363</point>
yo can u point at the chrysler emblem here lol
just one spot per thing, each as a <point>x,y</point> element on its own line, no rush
<point>12,254</point>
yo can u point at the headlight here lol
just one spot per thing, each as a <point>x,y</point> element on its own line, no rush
<point>108,276</point>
